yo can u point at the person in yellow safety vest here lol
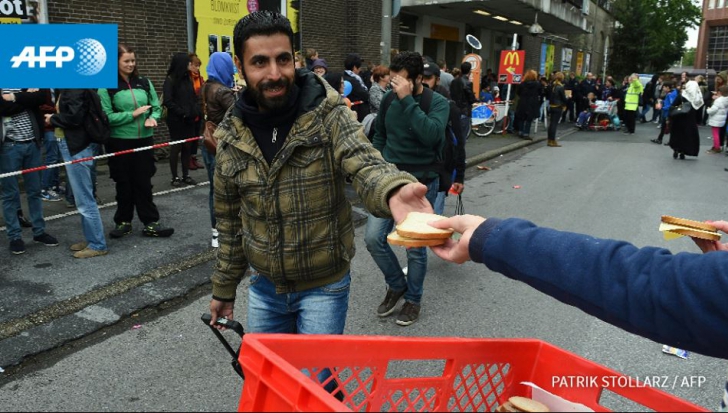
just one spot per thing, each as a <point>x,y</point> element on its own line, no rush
<point>632,102</point>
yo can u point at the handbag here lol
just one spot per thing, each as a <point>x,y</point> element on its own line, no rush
<point>208,132</point>
<point>681,109</point>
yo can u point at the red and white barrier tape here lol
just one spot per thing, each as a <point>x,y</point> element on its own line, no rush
<point>106,155</point>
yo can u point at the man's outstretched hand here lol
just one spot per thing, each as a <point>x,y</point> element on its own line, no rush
<point>409,198</point>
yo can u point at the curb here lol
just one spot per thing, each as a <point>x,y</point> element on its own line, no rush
<point>494,153</point>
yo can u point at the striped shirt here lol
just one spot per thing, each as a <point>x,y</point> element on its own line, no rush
<point>18,127</point>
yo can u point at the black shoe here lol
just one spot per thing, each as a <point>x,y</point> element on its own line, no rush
<point>674,154</point>
<point>155,229</point>
<point>409,314</point>
<point>658,141</point>
<point>121,229</point>
<point>176,182</point>
<point>47,240</point>
<point>24,221</point>
<point>390,301</point>
<point>17,246</point>
<point>682,156</point>
<point>189,181</point>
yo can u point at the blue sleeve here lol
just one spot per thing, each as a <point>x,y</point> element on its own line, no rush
<point>675,299</point>
<point>669,99</point>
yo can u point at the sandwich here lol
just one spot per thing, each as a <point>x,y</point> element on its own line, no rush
<point>522,404</point>
<point>414,231</point>
<point>688,227</point>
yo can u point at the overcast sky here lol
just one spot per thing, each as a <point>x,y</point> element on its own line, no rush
<point>692,38</point>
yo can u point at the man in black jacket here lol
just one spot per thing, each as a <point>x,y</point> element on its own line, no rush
<point>359,95</point>
<point>21,130</point>
<point>461,91</point>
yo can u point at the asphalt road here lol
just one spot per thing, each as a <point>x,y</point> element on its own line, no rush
<point>604,184</point>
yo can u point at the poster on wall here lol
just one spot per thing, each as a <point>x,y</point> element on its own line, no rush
<point>566,55</point>
<point>587,63</point>
<point>215,21</point>
<point>22,12</point>
<point>579,63</point>
<point>550,50</point>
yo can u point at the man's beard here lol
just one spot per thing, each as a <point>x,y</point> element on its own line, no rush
<point>272,104</point>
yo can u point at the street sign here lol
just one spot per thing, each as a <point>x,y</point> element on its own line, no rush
<point>511,66</point>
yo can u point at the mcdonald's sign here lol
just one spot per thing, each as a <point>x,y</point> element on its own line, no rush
<point>511,65</point>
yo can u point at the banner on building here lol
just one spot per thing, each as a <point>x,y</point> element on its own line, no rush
<point>216,20</point>
<point>587,63</point>
<point>579,63</point>
<point>542,65</point>
<point>566,56</point>
<point>550,51</point>
<point>510,69</point>
<point>22,12</point>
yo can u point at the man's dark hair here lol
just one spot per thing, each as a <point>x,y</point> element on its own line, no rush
<point>409,61</point>
<point>465,68</point>
<point>669,84</point>
<point>260,23</point>
<point>352,60</point>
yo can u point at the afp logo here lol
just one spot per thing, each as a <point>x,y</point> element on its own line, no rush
<point>59,55</point>
<point>90,55</point>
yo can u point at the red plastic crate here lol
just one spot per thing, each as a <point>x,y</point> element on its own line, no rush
<point>377,373</point>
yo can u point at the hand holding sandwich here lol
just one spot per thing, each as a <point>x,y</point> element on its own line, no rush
<point>457,250</point>
<point>708,245</point>
<point>408,198</point>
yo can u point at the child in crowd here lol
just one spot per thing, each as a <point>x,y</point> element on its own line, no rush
<point>716,117</point>
<point>485,95</point>
<point>581,122</point>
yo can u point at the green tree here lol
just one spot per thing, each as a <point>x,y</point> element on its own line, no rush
<point>688,58</point>
<point>650,34</point>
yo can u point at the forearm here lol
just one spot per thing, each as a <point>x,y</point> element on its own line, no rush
<point>672,299</point>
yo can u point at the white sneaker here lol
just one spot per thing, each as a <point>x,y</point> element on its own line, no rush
<point>214,243</point>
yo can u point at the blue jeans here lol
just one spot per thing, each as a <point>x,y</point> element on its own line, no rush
<point>69,189</point>
<point>376,241</point>
<point>16,157</point>
<point>80,179</point>
<point>646,108</point>
<point>209,160</point>
<point>526,127</point>
<point>319,310</point>
<point>52,155</point>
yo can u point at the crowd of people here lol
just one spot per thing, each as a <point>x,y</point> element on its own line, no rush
<point>307,132</point>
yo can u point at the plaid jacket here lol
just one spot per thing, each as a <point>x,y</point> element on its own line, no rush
<point>291,220</point>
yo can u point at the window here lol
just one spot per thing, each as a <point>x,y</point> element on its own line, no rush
<point>711,4</point>
<point>717,58</point>
<point>721,4</point>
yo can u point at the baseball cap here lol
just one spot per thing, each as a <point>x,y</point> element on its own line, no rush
<point>431,69</point>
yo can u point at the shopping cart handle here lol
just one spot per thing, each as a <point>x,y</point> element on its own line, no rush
<point>224,322</point>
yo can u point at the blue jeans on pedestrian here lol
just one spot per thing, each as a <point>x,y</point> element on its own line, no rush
<point>376,240</point>
<point>209,160</point>
<point>17,157</point>
<point>69,191</point>
<point>645,109</point>
<point>80,179</point>
<point>526,127</point>
<point>319,310</point>
<point>52,155</point>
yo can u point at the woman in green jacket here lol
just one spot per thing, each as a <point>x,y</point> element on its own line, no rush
<point>133,110</point>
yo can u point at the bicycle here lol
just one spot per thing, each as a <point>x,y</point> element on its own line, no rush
<point>487,117</point>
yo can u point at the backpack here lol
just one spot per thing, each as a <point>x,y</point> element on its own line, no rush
<point>446,165</point>
<point>96,123</point>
